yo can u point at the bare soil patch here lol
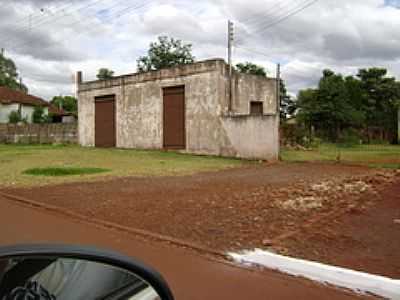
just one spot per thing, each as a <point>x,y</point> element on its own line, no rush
<point>365,238</point>
<point>260,206</point>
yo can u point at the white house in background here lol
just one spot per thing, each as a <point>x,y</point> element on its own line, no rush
<point>11,100</point>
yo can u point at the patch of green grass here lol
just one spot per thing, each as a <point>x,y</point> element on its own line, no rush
<point>385,166</point>
<point>387,156</point>
<point>63,171</point>
<point>15,159</point>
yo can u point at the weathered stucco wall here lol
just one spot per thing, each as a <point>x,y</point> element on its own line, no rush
<point>253,137</point>
<point>248,88</point>
<point>139,107</point>
<point>209,129</point>
<point>26,111</point>
<point>5,110</point>
<point>86,113</point>
<point>140,112</point>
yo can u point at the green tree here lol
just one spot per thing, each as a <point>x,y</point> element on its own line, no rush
<point>381,97</point>
<point>250,68</point>
<point>9,74</point>
<point>288,105</point>
<point>104,74</point>
<point>38,115</point>
<point>14,117</point>
<point>329,108</point>
<point>307,104</point>
<point>371,99</point>
<point>165,53</point>
<point>66,103</point>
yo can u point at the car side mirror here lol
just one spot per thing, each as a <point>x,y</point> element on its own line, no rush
<point>53,272</point>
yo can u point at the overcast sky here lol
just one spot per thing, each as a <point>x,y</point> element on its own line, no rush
<point>50,40</point>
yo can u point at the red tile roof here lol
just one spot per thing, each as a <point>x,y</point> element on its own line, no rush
<point>8,96</point>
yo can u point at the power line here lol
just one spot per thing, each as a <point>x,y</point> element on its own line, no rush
<point>112,8</point>
<point>284,17</point>
<point>54,18</point>
<point>296,11</point>
<point>32,16</point>
<point>125,11</point>
<point>269,12</point>
<point>255,51</point>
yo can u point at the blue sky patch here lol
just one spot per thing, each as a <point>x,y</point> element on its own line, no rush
<point>394,3</point>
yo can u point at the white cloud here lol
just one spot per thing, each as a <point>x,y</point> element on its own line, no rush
<point>66,36</point>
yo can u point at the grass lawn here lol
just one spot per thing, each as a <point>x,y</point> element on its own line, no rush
<point>385,156</point>
<point>18,160</point>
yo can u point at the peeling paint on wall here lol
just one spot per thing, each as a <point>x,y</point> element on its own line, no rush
<point>209,128</point>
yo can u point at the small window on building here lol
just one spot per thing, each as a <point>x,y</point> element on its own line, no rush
<point>256,108</point>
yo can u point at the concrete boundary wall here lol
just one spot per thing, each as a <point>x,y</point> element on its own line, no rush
<point>38,133</point>
<point>253,137</point>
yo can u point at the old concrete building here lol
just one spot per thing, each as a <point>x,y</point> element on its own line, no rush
<point>192,108</point>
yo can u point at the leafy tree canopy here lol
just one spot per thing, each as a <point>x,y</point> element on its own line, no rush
<point>14,117</point>
<point>38,115</point>
<point>288,105</point>
<point>104,74</point>
<point>67,103</point>
<point>165,53</point>
<point>250,68</point>
<point>9,75</point>
<point>370,99</point>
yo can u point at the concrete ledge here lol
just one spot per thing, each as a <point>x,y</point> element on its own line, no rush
<point>357,281</point>
<point>135,78</point>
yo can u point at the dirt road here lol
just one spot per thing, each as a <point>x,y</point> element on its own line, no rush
<point>190,276</point>
<point>296,209</point>
<point>226,210</point>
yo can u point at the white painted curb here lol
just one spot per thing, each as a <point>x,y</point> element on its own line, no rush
<point>357,281</point>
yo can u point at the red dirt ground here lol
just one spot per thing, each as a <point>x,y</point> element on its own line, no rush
<point>239,209</point>
<point>365,240</point>
<point>190,276</point>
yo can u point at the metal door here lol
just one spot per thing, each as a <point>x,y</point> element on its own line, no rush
<point>105,122</point>
<point>174,118</point>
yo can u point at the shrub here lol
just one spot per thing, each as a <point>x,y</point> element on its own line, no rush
<point>38,115</point>
<point>351,137</point>
<point>294,134</point>
<point>14,117</point>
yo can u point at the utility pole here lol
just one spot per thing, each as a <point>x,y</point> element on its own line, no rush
<point>278,106</point>
<point>230,45</point>
<point>78,82</point>
<point>278,88</point>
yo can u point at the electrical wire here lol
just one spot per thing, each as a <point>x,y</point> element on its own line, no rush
<point>53,19</point>
<point>125,11</point>
<point>281,18</point>
<point>269,12</point>
<point>254,51</point>
<point>33,16</point>
<point>113,9</point>
<point>296,10</point>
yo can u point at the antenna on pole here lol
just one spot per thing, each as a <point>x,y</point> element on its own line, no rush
<point>230,45</point>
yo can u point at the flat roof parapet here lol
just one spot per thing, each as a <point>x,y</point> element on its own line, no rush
<point>209,65</point>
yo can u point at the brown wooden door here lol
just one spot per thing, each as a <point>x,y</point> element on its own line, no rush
<point>105,122</point>
<point>174,118</point>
